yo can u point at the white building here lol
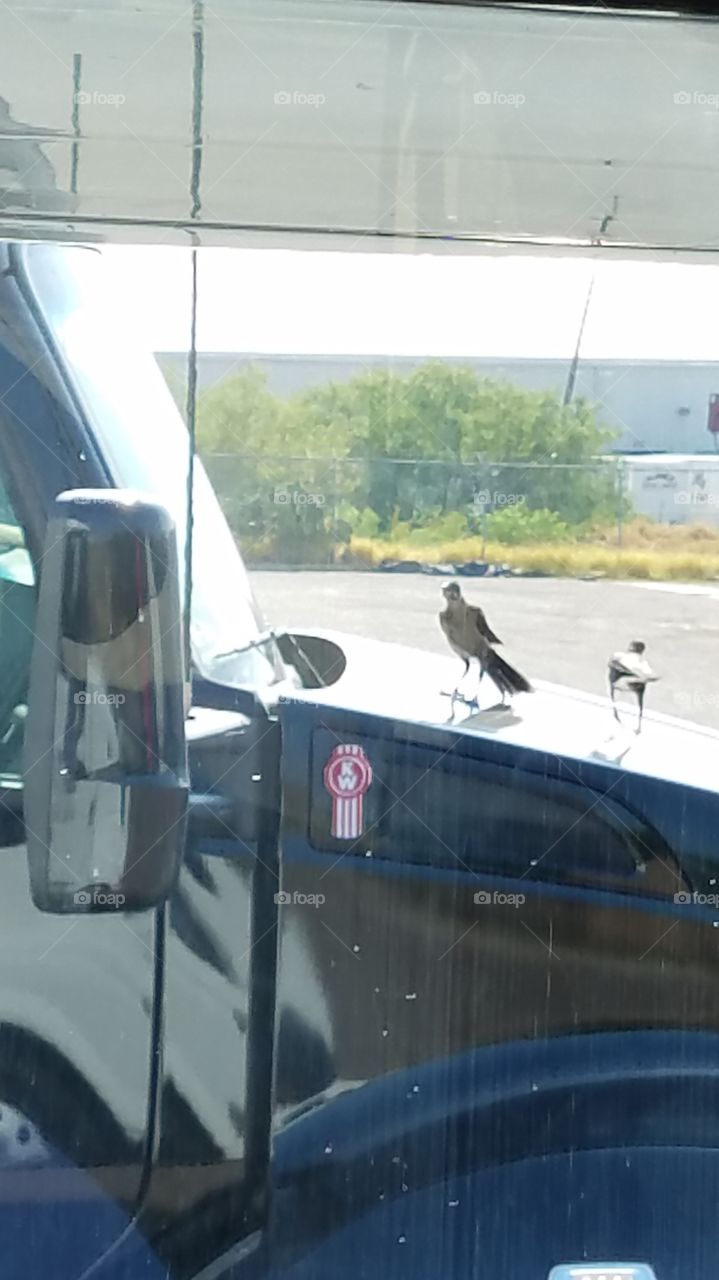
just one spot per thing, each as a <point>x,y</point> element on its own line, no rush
<point>675,488</point>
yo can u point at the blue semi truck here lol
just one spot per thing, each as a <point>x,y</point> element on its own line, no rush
<point>300,979</point>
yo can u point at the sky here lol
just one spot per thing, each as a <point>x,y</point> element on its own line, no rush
<point>303,302</point>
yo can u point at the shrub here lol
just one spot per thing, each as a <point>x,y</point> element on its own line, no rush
<point>520,524</point>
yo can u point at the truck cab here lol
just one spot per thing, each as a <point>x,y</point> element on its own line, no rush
<point>505,961</point>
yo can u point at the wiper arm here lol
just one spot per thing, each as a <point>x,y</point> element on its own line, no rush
<point>272,636</point>
<point>266,637</point>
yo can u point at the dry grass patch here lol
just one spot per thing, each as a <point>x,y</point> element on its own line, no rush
<point>684,559</point>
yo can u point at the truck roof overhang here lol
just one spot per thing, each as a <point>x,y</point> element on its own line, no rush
<point>353,125</point>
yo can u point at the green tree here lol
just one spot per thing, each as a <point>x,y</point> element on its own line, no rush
<point>392,449</point>
<point>428,439</point>
<point>262,462</point>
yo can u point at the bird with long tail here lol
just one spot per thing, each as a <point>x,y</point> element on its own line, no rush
<point>469,635</point>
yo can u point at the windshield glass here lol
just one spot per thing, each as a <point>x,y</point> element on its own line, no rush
<point>143,438</point>
<point>564,457</point>
<point>509,510</point>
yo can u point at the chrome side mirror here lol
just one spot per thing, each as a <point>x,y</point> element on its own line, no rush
<point>105,771</point>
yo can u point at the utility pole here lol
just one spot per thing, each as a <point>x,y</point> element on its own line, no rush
<point>572,376</point>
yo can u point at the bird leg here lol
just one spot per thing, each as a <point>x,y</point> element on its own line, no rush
<point>640,700</point>
<point>479,682</point>
<point>461,678</point>
<point>614,706</point>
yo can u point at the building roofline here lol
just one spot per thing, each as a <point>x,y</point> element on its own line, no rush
<point>334,358</point>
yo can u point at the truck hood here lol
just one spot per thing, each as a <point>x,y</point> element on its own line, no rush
<point>414,686</point>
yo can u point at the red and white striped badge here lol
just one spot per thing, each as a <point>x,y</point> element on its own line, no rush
<point>347,776</point>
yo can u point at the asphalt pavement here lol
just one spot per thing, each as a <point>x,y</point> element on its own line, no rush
<point>552,629</point>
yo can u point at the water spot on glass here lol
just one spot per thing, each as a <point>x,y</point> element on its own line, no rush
<point>329,1149</point>
<point>405,1187</point>
<point>385,1032</point>
<point>23,1133</point>
<point>376,991</point>
<point>411,995</point>
<point>368,853</point>
<point>535,1088</point>
<point>355,948</point>
<point>257,777</point>
<point>452,1204</point>
<point>82,455</point>
<point>396,1159</point>
<point>401,1239</point>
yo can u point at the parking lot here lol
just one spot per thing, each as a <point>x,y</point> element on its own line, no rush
<point>552,629</point>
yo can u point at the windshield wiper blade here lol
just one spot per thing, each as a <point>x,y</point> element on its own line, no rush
<point>265,638</point>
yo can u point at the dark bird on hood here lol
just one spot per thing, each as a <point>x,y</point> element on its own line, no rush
<point>630,670</point>
<point>470,636</point>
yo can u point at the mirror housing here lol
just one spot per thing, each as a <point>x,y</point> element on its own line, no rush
<point>105,771</point>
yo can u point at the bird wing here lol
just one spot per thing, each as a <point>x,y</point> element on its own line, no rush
<point>633,666</point>
<point>453,627</point>
<point>468,634</point>
<point>480,622</point>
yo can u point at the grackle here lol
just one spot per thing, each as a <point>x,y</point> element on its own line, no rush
<point>470,636</point>
<point>630,670</point>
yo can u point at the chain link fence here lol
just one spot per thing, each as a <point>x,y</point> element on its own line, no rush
<point>307,510</point>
